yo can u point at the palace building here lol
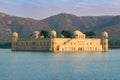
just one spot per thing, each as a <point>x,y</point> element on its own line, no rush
<point>79,43</point>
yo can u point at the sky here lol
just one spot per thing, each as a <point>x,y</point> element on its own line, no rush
<point>40,9</point>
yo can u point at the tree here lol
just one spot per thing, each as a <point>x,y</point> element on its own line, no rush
<point>58,34</point>
<point>90,34</point>
<point>44,33</point>
<point>67,34</point>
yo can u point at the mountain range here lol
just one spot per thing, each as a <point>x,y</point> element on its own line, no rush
<point>59,22</point>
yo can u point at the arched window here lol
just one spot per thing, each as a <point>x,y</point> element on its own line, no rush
<point>33,43</point>
<point>80,49</point>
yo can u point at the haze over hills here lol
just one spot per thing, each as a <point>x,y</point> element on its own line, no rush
<point>63,21</point>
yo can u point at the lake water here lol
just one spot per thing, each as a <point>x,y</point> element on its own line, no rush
<point>59,66</point>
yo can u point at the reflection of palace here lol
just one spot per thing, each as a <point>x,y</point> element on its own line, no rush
<point>77,44</point>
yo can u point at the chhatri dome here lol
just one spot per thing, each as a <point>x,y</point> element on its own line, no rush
<point>104,34</point>
<point>53,33</point>
<point>15,34</point>
<point>77,32</point>
<point>36,32</point>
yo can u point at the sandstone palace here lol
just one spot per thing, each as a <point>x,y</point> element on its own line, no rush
<point>79,43</point>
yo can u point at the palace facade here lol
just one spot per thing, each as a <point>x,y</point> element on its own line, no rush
<point>79,43</point>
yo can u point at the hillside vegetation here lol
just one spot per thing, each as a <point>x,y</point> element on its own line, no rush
<point>59,22</point>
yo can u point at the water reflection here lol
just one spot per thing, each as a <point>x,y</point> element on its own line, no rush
<point>59,66</point>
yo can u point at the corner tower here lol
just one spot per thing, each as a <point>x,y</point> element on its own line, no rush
<point>53,35</point>
<point>105,41</point>
<point>14,40</point>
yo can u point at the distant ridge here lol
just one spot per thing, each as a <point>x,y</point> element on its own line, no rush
<point>62,21</point>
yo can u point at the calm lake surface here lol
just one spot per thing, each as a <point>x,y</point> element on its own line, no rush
<point>59,66</point>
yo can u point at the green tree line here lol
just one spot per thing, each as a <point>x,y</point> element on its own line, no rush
<point>66,34</point>
<point>114,43</point>
<point>5,45</point>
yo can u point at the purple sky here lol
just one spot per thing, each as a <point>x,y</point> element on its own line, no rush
<point>40,9</point>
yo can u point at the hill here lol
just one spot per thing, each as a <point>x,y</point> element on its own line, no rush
<point>63,21</point>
